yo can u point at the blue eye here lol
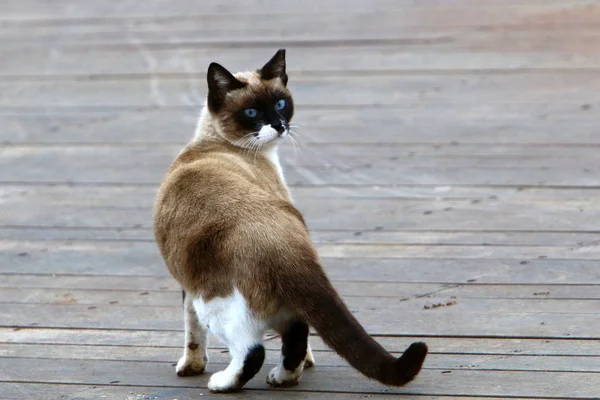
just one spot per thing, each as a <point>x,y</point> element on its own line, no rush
<point>280,105</point>
<point>250,112</point>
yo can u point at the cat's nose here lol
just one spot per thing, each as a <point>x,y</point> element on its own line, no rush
<point>278,126</point>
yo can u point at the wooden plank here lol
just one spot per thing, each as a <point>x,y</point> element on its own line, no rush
<point>436,89</point>
<point>133,259</point>
<point>372,155</point>
<point>324,358</point>
<point>397,343</point>
<point>430,293</point>
<point>483,238</point>
<point>340,155</point>
<point>480,317</point>
<point>429,382</point>
<point>13,10</point>
<point>105,207</point>
<point>143,195</point>
<point>539,296</point>
<point>408,126</point>
<point>88,392</point>
<point>126,301</point>
<point>311,28</point>
<point>166,61</point>
<point>434,27</point>
<point>369,251</point>
<point>69,288</point>
<point>89,164</point>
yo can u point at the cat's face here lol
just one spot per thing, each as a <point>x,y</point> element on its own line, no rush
<point>251,109</point>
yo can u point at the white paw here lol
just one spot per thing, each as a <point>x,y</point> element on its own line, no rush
<point>223,382</point>
<point>280,377</point>
<point>309,360</point>
<point>188,366</point>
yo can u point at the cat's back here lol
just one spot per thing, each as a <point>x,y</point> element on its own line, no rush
<point>213,175</point>
<point>208,185</point>
<point>214,203</point>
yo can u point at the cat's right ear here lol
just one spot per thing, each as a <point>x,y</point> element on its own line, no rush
<point>220,82</point>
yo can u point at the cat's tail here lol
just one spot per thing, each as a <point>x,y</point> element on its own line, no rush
<point>316,301</point>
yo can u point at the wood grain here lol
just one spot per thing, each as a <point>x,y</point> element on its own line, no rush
<point>448,171</point>
<point>430,382</point>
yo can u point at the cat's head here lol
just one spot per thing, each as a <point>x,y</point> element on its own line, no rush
<point>251,109</point>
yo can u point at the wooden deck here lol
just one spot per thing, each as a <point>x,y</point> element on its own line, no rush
<point>450,155</point>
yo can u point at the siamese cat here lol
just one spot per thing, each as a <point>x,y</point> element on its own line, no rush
<point>231,236</point>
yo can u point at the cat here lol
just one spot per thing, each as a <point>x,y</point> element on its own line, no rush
<point>229,233</point>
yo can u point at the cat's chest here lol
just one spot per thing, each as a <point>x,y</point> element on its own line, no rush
<point>273,157</point>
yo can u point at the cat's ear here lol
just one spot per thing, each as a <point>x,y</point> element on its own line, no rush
<point>220,82</point>
<point>275,68</point>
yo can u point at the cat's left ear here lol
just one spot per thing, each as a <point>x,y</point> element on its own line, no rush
<point>275,68</point>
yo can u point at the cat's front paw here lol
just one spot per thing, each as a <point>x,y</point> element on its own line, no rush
<point>223,382</point>
<point>280,377</point>
<point>189,366</point>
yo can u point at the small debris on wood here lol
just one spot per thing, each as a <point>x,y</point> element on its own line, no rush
<point>23,254</point>
<point>144,294</point>
<point>449,303</point>
<point>446,372</point>
<point>472,280</point>
<point>427,212</point>
<point>524,262</point>
<point>541,293</point>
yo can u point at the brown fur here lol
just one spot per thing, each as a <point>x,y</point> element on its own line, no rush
<point>224,220</point>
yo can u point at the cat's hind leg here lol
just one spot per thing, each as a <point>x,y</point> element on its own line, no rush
<point>246,362</point>
<point>242,332</point>
<point>294,355</point>
<point>309,361</point>
<point>195,357</point>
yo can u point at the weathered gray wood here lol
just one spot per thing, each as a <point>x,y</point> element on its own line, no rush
<point>68,288</point>
<point>143,259</point>
<point>147,165</point>
<point>131,207</point>
<point>106,194</point>
<point>324,358</point>
<point>72,9</point>
<point>344,155</point>
<point>436,89</point>
<point>93,392</point>
<point>378,49</point>
<point>481,317</point>
<point>539,298</point>
<point>407,27</point>
<point>422,237</point>
<point>406,126</point>
<point>342,379</point>
<point>450,154</point>
<point>430,293</point>
<point>174,340</point>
